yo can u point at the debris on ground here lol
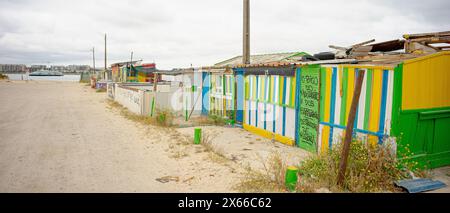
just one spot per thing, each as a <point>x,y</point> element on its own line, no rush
<point>167,179</point>
<point>420,185</point>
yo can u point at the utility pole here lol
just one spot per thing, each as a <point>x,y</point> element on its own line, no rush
<point>106,65</point>
<point>131,62</point>
<point>93,58</point>
<point>349,129</point>
<point>246,35</point>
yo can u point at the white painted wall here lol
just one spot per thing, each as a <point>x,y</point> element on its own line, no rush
<point>133,100</point>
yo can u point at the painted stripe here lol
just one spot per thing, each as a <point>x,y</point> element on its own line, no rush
<point>246,88</point>
<point>283,100</point>
<point>327,91</point>
<point>383,103</point>
<point>355,124</point>
<point>256,113</point>
<point>375,104</point>
<point>389,103</point>
<point>350,90</point>
<point>274,118</point>
<point>323,92</point>
<point>293,83</point>
<point>250,92</point>
<point>284,122</point>
<point>270,135</point>
<point>249,112</point>
<point>368,98</point>
<point>338,96</point>
<point>270,89</point>
<point>333,105</point>
<point>267,87</point>
<point>262,88</point>
<point>269,117</point>
<point>287,95</point>
<point>265,116</point>
<point>319,139</point>
<point>341,133</point>
<point>284,108</point>
<point>276,89</point>
<point>281,90</point>
<point>279,116</point>
<point>290,120</point>
<point>325,107</point>
<point>344,96</point>
<point>324,146</point>
<point>297,104</point>
<point>362,104</point>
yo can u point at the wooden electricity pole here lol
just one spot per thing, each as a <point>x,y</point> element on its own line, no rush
<point>349,129</point>
<point>93,58</point>
<point>131,62</point>
<point>246,34</point>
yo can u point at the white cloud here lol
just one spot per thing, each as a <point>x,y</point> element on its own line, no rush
<point>176,33</point>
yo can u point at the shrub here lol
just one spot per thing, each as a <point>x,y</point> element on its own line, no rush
<point>270,179</point>
<point>370,168</point>
<point>164,118</point>
<point>101,90</point>
<point>3,76</point>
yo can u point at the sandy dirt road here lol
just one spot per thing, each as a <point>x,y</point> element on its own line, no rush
<point>61,137</point>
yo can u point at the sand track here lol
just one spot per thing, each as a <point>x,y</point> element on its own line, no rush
<point>61,137</point>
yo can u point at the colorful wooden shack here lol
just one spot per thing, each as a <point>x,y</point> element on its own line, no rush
<point>186,91</point>
<point>218,93</point>
<point>266,101</point>
<point>406,104</point>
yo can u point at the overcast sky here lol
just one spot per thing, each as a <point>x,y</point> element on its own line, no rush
<point>178,33</point>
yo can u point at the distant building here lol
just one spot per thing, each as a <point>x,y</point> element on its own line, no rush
<point>13,68</point>
<point>78,68</point>
<point>37,67</point>
<point>58,68</point>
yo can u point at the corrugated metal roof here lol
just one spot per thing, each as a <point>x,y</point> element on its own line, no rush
<point>290,57</point>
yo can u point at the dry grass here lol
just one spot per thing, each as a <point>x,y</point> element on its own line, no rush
<point>101,90</point>
<point>371,168</point>
<point>162,118</point>
<point>270,179</point>
<point>3,77</point>
<point>216,154</point>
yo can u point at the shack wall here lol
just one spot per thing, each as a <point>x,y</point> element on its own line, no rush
<point>269,106</point>
<point>221,94</point>
<point>422,109</point>
<point>374,112</point>
<point>130,98</point>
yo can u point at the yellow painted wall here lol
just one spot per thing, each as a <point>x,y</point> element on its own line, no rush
<point>269,135</point>
<point>426,82</point>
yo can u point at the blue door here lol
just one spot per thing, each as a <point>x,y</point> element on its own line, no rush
<point>240,92</point>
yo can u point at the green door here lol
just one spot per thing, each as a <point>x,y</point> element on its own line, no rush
<point>427,133</point>
<point>440,150</point>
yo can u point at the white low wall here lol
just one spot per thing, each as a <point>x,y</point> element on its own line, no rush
<point>132,99</point>
<point>110,90</point>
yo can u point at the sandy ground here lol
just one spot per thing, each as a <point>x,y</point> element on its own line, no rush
<point>61,137</point>
<point>247,149</point>
<point>442,174</point>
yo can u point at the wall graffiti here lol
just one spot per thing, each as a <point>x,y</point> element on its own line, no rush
<point>309,108</point>
<point>129,98</point>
